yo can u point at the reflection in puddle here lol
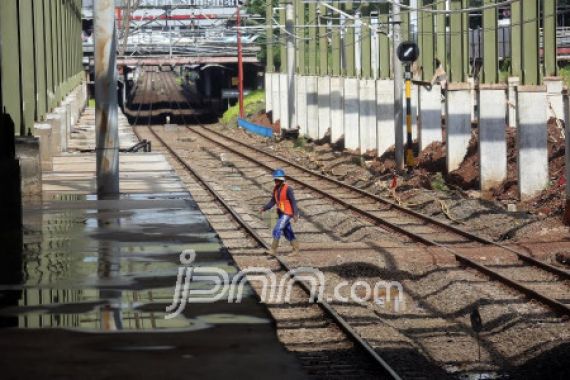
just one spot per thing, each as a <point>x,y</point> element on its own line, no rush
<point>96,269</point>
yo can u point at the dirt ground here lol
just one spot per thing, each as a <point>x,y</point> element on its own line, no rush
<point>454,196</point>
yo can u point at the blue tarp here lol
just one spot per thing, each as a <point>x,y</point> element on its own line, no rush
<point>254,128</point>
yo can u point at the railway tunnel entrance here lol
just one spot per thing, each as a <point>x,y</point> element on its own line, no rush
<point>175,93</point>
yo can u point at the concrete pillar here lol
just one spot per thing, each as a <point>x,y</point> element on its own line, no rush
<point>55,121</point>
<point>28,153</point>
<point>275,97</point>
<point>324,101</point>
<point>367,115</point>
<point>267,84</point>
<point>458,131</point>
<point>474,101</point>
<point>492,138</point>
<point>283,101</point>
<point>61,112</point>
<point>351,114</point>
<point>532,140</point>
<point>429,118</point>
<point>385,126</point>
<point>554,86</point>
<point>513,82</point>
<point>312,107</point>
<point>337,111</point>
<point>567,156</point>
<point>43,132</point>
<point>302,104</point>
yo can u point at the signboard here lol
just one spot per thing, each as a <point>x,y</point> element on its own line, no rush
<point>231,93</point>
<point>408,52</point>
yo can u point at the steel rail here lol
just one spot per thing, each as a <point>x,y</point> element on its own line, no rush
<point>529,292</point>
<point>349,331</point>
<point>531,260</point>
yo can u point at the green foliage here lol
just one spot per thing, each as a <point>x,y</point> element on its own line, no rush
<point>565,74</point>
<point>438,183</point>
<point>252,103</point>
<point>300,142</point>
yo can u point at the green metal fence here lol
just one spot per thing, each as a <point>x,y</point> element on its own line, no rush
<point>40,57</point>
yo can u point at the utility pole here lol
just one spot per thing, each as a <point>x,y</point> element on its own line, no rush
<point>106,108</point>
<point>398,88</point>
<point>290,28</point>
<point>240,63</point>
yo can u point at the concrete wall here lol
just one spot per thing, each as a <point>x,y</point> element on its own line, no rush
<point>367,115</point>
<point>531,140</point>
<point>337,111</point>
<point>458,131</point>
<point>301,109</point>
<point>429,118</point>
<point>513,82</point>
<point>28,153</point>
<point>554,86</point>
<point>385,126</point>
<point>351,114</point>
<point>283,101</point>
<point>275,97</point>
<point>267,84</point>
<point>312,107</point>
<point>324,101</point>
<point>492,139</point>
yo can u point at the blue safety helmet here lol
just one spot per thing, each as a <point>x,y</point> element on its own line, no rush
<point>279,174</point>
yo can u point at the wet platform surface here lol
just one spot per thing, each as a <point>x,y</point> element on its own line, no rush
<point>87,297</point>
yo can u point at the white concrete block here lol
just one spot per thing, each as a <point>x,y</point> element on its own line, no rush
<point>276,97</point>
<point>337,111</point>
<point>513,82</point>
<point>64,126</point>
<point>267,84</point>
<point>302,104</point>
<point>283,101</point>
<point>532,140</point>
<point>312,107</point>
<point>474,101</point>
<point>324,88</point>
<point>367,115</point>
<point>458,131</point>
<point>385,126</point>
<point>492,138</point>
<point>554,87</point>
<point>429,118</point>
<point>351,114</point>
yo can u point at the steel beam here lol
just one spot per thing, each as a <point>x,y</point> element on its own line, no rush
<point>40,59</point>
<point>530,42</point>
<point>323,42</point>
<point>456,29</point>
<point>349,41</point>
<point>441,35</point>
<point>282,38</point>
<point>336,71</point>
<point>384,41</point>
<point>490,45</point>
<point>516,39</point>
<point>312,39</point>
<point>426,38</point>
<point>270,66</point>
<point>300,32</point>
<point>106,115</point>
<point>365,45</point>
<point>549,22</point>
<point>10,61</point>
<point>27,69</point>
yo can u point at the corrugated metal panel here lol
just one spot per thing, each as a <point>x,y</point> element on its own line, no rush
<point>10,62</point>
<point>27,66</point>
<point>40,59</point>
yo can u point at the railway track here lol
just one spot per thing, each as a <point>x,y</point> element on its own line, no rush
<point>361,360</point>
<point>406,222</point>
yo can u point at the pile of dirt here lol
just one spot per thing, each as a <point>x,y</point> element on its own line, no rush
<point>466,176</point>
<point>264,119</point>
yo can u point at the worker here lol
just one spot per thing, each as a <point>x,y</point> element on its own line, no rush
<point>284,198</point>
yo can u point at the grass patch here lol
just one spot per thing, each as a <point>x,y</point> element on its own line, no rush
<point>565,74</point>
<point>438,183</point>
<point>91,103</point>
<point>252,104</point>
<point>300,142</point>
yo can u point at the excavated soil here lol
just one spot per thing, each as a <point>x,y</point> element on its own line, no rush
<point>453,196</point>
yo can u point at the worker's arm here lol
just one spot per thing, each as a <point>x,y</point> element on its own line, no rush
<point>291,197</point>
<point>269,205</point>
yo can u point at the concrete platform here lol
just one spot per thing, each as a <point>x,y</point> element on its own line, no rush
<point>86,294</point>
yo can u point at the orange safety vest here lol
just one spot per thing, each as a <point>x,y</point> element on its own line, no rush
<point>281,200</point>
